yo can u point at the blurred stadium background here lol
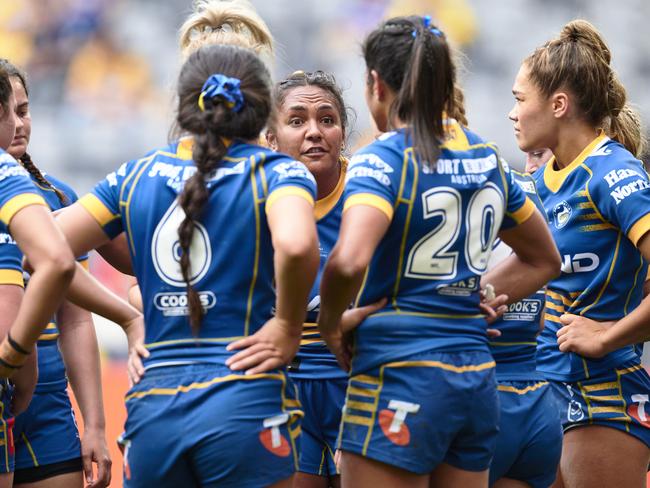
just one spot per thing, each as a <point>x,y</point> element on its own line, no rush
<point>102,76</point>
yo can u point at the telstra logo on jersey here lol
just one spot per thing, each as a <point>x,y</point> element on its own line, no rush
<point>561,214</point>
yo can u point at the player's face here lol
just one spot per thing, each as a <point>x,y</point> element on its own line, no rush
<point>8,123</point>
<point>536,159</point>
<point>24,129</point>
<point>308,128</point>
<point>532,114</point>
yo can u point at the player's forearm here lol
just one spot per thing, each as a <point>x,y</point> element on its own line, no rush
<point>88,293</point>
<point>340,284</point>
<point>295,274</point>
<point>634,328</point>
<point>517,279</point>
<point>83,369</point>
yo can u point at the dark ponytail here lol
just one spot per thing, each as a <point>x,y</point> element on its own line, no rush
<point>213,127</point>
<point>413,58</point>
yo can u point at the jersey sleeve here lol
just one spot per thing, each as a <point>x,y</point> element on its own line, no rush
<point>289,177</point>
<point>103,202</point>
<point>373,179</point>
<point>621,193</point>
<point>519,207</point>
<point>16,189</point>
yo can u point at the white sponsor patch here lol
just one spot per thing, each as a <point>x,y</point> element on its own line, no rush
<point>293,169</point>
<point>622,192</point>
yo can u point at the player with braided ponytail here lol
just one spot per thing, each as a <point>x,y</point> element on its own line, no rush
<point>47,447</point>
<point>221,232</point>
<point>596,195</point>
<point>414,226</point>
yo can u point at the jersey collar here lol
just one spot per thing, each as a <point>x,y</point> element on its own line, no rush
<point>327,203</point>
<point>553,178</point>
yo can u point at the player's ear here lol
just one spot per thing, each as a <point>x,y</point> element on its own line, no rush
<point>560,104</point>
<point>271,139</point>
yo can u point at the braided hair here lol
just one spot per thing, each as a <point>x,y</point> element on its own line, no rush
<point>212,127</point>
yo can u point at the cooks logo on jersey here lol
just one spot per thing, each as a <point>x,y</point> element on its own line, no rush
<point>392,421</point>
<point>173,304</point>
<point>561,214</point>
<point>271,437</point>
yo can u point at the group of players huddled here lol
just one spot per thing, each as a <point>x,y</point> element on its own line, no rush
<point>418,315</point>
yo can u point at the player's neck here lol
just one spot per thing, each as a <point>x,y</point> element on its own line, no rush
<point>571,143</point>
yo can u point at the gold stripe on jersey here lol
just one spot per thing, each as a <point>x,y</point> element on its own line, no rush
<point>522,391</point>
<point>633,287</point>
<point>30,449</point>
<point>430,315</point>
<point>553,306</point>
<point>257,201</point>
<point>17,203</point>
<point>558,298</point>
<point>639,229</point>
<point>505,344</point>
<point>11,277</point>
<point>324,205</point>
<point>555,178</point>
<point>552,318</point>
<point>524,212</point>
<point>287,191</point>
<point>609,275</point>
<point>97,209</point>
<point>409,157</point>
<point>371,200</point>
<point>138,172</point>
<point>50,333</point>
<point>469,368</point>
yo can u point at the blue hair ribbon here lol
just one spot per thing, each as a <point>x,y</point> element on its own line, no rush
<point>426,20</point>
<point>221,86</point>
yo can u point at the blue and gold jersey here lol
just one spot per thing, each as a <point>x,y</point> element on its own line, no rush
<point>314,360</point>
<point>16,192</point>
<point>231,253</point>
<point>598,208</point>
<point>443,224</point>
<point>515,350</point>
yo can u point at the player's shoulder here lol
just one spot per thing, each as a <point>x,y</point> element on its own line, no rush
<point>613,166</point>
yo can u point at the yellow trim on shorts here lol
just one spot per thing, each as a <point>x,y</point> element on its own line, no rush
<point>97,209</point>
<point>286,191</point>
<point>524,212</point>
<point>522,391</point>
<point>17,203</point>
<point>30,449</point>
<point>370,200</point>
<point>470,368</point>
<point>11,277</point>
<point>203,385</point>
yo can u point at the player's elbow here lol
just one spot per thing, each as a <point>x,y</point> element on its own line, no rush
<point>59,264</point>
<point>296,248</point>
<point>348,263</point>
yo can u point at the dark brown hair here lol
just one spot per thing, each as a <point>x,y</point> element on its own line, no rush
<point>213,129</point>
<point>579,60</point>
<point>26,160</point>
<point>413,58</point>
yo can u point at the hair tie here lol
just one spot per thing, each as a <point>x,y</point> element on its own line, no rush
<point>426,20</point>
<point>221,86</point>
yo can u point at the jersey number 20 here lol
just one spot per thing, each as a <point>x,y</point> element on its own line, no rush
<point>435,256</point>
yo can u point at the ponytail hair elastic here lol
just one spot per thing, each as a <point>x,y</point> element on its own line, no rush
<point>426,20</point>
<point>221,86</point>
